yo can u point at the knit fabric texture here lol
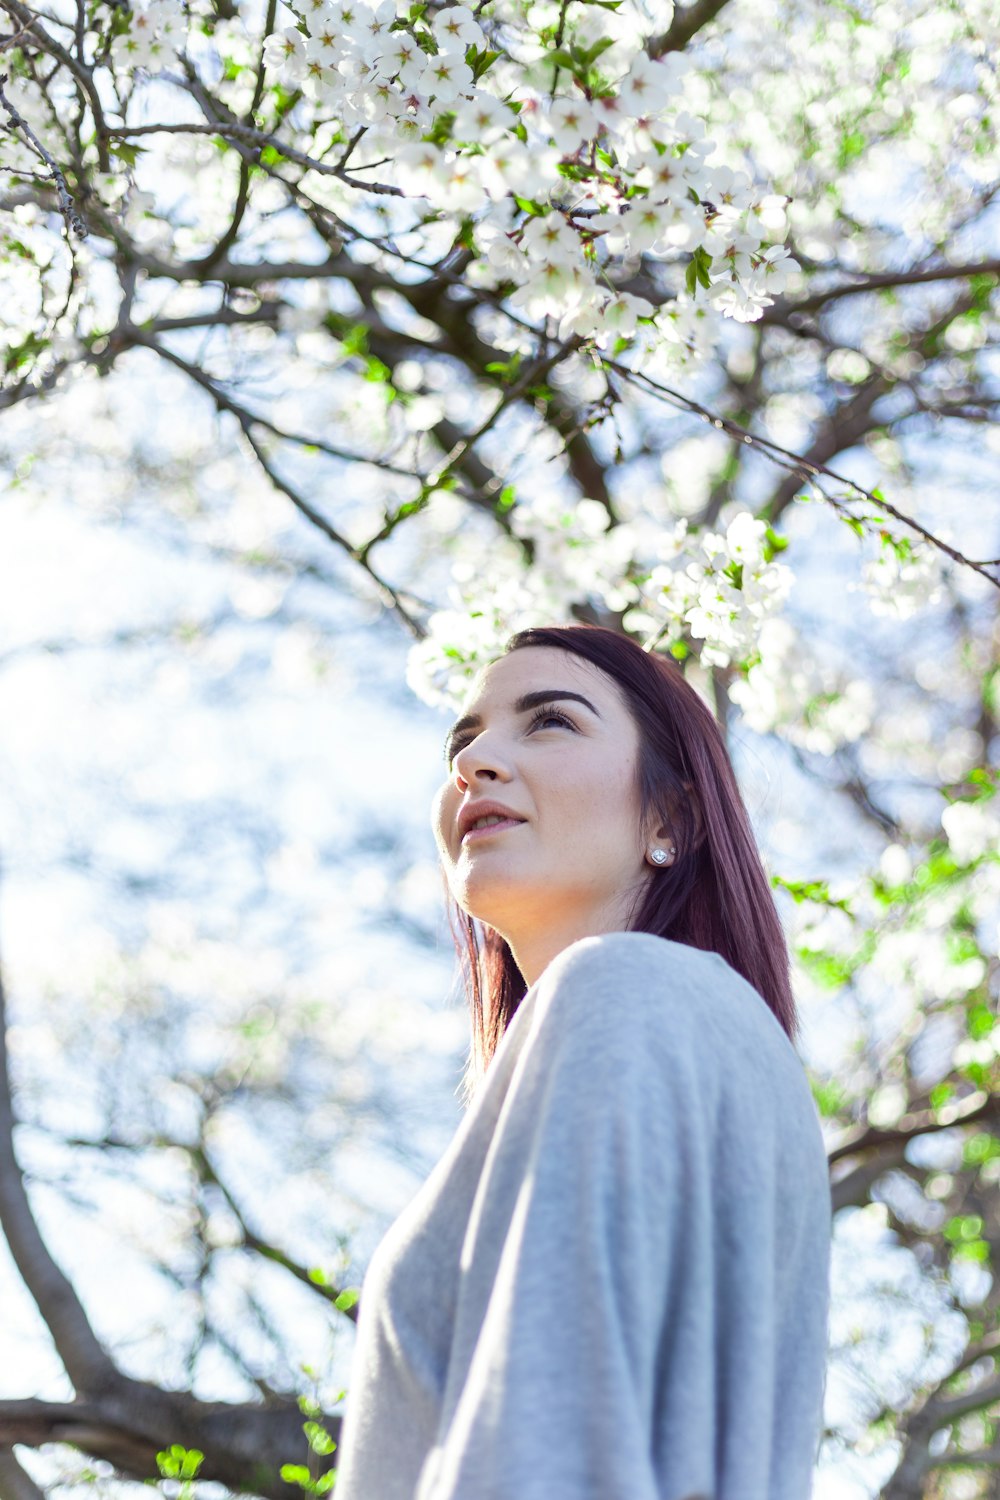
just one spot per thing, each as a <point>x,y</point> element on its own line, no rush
<point>614,1285</point>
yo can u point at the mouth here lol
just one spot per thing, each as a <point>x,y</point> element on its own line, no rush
<point>487,830</point>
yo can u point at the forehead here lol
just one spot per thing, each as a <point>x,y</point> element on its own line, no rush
<point>534,668</point>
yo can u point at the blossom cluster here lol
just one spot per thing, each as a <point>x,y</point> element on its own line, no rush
<point>557,155</point>
<point>718,590</point>
<point>557,178</point>
<point>902,579</point>
<point>713,589</point>
<point>155,35</point>
<point>787,692</point>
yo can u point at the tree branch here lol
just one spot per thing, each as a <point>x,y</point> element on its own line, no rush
<point>244,1446</point>
<point>686,23</point>
<point>207,1173</point>
<point>876,282</point>
<point>865,1138</point>
<point>74,223</point>
<point>15,1482</point>
<point>83,75</point>
<point>86,1362</point>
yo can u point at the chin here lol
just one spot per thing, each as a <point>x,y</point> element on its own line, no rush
<point>486,898</point>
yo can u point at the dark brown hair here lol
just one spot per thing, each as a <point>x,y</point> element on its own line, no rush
<point>714,896</point>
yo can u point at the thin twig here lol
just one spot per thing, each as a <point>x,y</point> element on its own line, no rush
<point>74,223</point>
<point>247,421</point>
<point>251,135</point>
<point>797,464</point>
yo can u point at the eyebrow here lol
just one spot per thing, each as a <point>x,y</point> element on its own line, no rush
<point>521,706</point>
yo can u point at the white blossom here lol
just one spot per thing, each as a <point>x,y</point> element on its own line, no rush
<point>570,123</point>
<point>482,118</point>
<point>788,692</point>
<point>455,29</point>
<point>972,830</point>
<point>550,238</point>
<point>773,268</point>
<point>649,86</point>
<point>445,76</point>
<point>900,586</point>
<point>285,52</point>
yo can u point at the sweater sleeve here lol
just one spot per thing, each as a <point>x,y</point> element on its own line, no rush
<point>589,1221</point>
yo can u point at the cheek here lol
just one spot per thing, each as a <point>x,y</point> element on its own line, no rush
<point>607,798</point>
<point>443,810</point>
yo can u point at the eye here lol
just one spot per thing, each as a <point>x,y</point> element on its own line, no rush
<point>547,715</point>
<point>538,717</point>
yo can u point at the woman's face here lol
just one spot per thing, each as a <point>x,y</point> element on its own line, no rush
<point>549,738</point>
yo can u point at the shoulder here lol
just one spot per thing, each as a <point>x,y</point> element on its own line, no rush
<point>632,989</point>
<point>644,971</point>
<point>628,1026</point>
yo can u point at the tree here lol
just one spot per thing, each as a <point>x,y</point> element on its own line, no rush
<point>513,284</point>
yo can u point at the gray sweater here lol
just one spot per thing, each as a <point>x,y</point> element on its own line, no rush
<point>614,1284</point>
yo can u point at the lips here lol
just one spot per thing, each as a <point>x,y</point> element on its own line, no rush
<point>491,828</point>
<point>485,809</point>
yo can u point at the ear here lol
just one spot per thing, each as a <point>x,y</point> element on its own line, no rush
<point>684,815</point>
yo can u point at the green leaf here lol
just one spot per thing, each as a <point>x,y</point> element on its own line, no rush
<point>977,1250</point>
<point>128,153</point>
<point>852,145</point>
<point>377,371</point>
<point>594,52</point>
<point>697,270</point>
<point>178,1462</point>
<point>979,1149</point>
<point>774,543</point>
<point>829,1096</point>
<point>296,1474</point>
<point>831,970</point>
<point>355,339</point>
<point>979,1022</point>
<point>483,61</point>
<point>320,1440</point>
<point>507,369</point>
<point>963,1228</point>
<point>350,1294</point>
<point>440,131</point>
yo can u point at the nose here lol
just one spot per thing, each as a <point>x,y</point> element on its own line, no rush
<point>480,761</point>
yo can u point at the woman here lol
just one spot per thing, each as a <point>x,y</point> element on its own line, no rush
<point>614,1284</point>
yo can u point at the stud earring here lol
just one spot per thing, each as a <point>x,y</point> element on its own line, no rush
<point>658,855</point>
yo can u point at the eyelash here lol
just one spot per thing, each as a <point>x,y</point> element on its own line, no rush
<point>538,717</point>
